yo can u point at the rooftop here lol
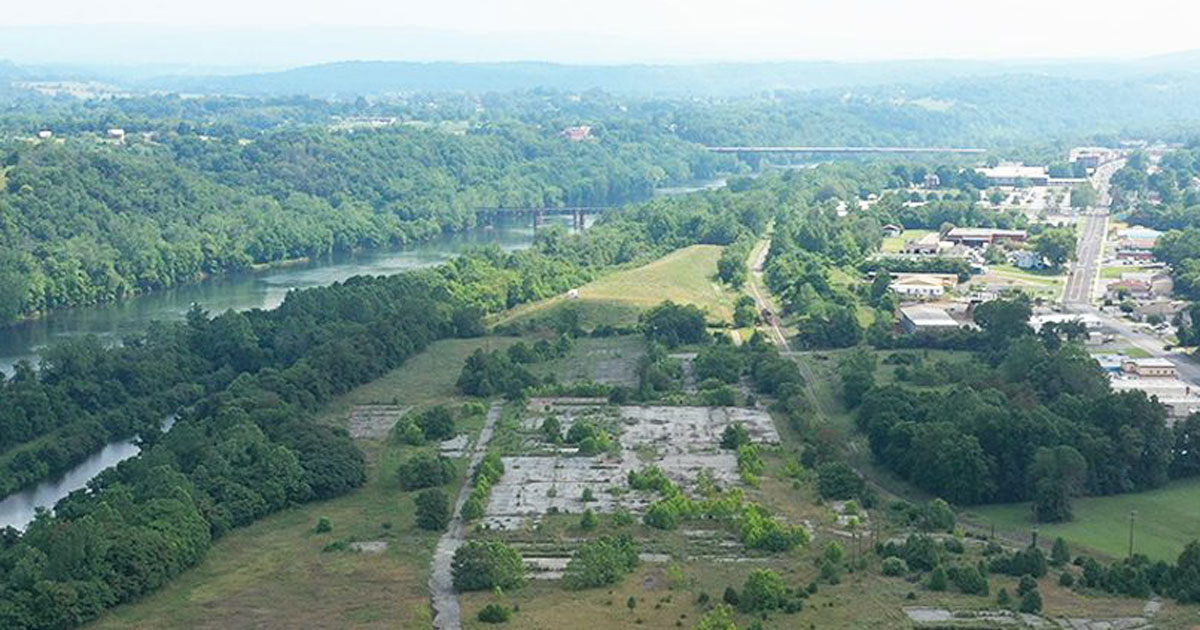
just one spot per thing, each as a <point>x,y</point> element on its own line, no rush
<point>1013,171</point>
<point>1153,362</point>
<point>925,315</point>
<point>982,232</point>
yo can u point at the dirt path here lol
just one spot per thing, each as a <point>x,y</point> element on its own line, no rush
<point>446,614</point>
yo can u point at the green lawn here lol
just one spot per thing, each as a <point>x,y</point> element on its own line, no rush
<point>1167,519</point>
<point>1114,273</point>
<point>686,276</point>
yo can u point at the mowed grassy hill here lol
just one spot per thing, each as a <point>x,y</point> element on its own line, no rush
<point>686,276</point>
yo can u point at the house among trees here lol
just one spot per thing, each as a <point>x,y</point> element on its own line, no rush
<point>892,230</point>
<point>578,133</point>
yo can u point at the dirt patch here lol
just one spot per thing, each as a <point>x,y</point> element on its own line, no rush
<point>370,546</point>
<point>369,422</point>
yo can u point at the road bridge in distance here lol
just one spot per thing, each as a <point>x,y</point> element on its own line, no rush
<point>854,150</point>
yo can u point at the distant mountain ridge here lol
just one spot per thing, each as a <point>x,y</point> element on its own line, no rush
<point>358,78</point>
<point>353,78</point>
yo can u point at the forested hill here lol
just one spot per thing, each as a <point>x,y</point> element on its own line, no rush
<point>84,222</point>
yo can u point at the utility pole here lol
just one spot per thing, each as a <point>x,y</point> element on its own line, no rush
<point>1132,517</point>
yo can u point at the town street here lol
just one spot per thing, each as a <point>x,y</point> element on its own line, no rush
<point>1082,281</point>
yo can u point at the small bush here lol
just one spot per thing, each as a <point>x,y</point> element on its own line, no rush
<point>494,613</point>
<point>893,567</point>
<point>323,526</point>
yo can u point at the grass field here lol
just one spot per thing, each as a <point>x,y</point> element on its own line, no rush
<point>686,276</point>
<point>1167,519</point>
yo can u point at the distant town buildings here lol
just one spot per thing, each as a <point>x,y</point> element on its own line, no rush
<point>45,134</point>
<point>1015,175</point>
<point>1091,157</point>
<point>892,230</point>
<point>116,134</point>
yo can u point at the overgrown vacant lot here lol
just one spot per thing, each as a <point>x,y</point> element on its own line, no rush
<point>1167,519</point>
<point>274,574</point>
<point>685,276</point>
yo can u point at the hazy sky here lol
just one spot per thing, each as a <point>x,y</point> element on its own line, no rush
<point>273,32</point>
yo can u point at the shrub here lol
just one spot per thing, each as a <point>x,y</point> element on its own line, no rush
<point>837,480</point>
<point>494,613</point>
<point>731,596</point>
<point>601,562</point>
<point>425,470</point>
<point>674,324</point>
<point>969,580</point>
<point>588,521</point>
<point>893,567</point>
<point>483,565</point>
<point>437,424</point>
<point>433,509</point>
<point>1066,579</point>
<point>937,579</point>
<point>552,429</point>
<point>1031,602</point>
<point>764,590</point>
<point>734,436</point>
<point>323,525</point>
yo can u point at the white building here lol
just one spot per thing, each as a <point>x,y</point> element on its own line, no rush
<point>924,318</point>
<point>919,288</point>
<point>1089,321</point>
<point>1015,175</point>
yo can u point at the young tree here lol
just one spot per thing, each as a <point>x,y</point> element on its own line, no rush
<point>1059,553</point>
<point>433,509</point>
<point>937,579</point>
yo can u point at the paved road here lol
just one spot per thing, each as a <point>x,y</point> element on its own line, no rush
<point>447,615</point>
<point>1084,271</point>
<point>1081,282</point>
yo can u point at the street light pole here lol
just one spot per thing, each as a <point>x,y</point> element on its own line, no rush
<point>1132,516</point>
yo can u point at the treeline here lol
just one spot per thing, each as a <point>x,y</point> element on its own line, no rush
<point>1030,417</point>
<point>85,222</point>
